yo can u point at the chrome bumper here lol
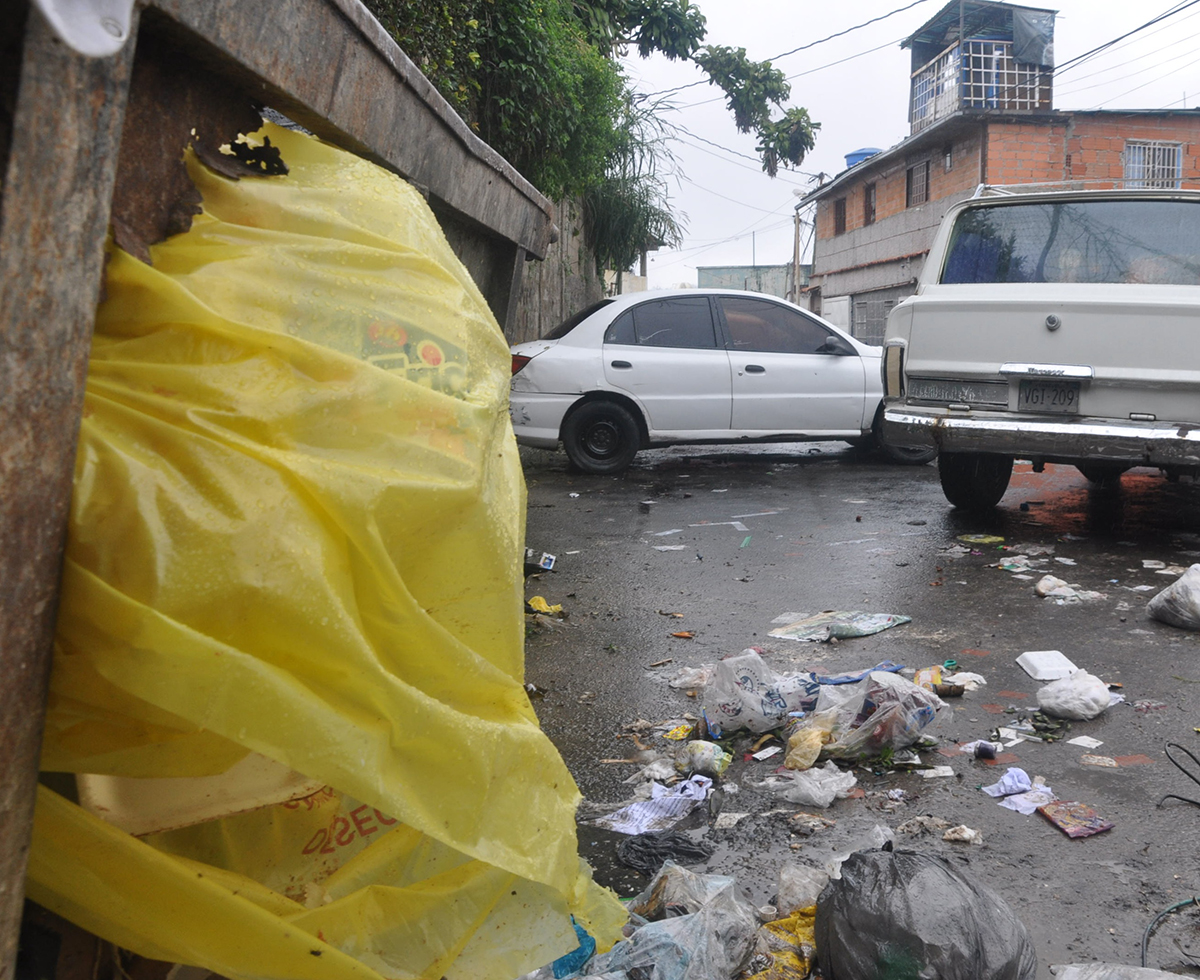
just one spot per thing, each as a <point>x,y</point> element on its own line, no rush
<point>1066,440</point>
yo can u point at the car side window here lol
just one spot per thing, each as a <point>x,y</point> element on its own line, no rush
<point>682,321</point>
<point>759,325</point>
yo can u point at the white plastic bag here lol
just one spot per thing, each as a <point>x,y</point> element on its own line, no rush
<point>1080,697</point>
<point>812,787</point>
<point>746,693</point>
<point>799,887</point>
<point>1179,603</point>
<point>1109,971</point>
<point>898,711</point>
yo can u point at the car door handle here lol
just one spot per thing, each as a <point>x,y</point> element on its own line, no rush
<point>621,364</point>
<point>755,369</point>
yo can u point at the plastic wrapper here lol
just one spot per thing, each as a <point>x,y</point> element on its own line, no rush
<point>806,741</point>
<point>1179,603</point>
<point>701,929</point>
<point>812,787</point>
<point>706,758</point>
<point>746,693</point>
<point>785,949</point>
<point>799,886</point>
<point>296,531</point>
<point>914,915</point>
<point>1080,697</point>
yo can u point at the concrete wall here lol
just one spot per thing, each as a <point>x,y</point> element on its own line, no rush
<point>561,285</point>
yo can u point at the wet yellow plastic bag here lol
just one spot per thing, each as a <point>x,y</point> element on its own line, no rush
<point>295,545</point>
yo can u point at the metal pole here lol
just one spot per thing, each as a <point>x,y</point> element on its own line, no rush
<point>795,297</point>
<point>54,214</point>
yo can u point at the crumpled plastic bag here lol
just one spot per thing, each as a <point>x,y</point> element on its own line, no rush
<point>786,946</point>
<point>811,787</point>
<point>1080,697</point>
<point>297,530</point>
<point>713,937</point>
<point>899,913</point>
<point>1179,603</point>
<point>746,693</point>
<point>800,885</point>
<point>809,737</point>
<point>894,713</point>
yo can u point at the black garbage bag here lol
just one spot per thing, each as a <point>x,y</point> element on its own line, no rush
<point>899,915</point>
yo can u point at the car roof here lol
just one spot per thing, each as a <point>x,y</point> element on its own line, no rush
<point>632,299</point>
<point>1007,197</point>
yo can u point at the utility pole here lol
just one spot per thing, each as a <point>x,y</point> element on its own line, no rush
<point>795,297</point>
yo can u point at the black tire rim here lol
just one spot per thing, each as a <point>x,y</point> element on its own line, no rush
<point>601,439</point>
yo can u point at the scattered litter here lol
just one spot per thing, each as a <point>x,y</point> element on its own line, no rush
<point>839,625</point>
<point>936,772</point>
<point>539,604</point>
<point>1046,665</point>
<point>1075,819</point>
<point>692,677</point>
<point>807,824</point>
<point>680,732</point>
<point>1049,587</point>
<point>1171,570</point>
<point>670,547</point>
<point>981,539</point>
<point>962,834</point>
<point>946,924</point>
<point>1139,588</point>
<point>660,663</point>
<point>981,749</point>
<point>684,635</point>
<point>703,757</point>
<point>1019,563</point>
<point>965,679</point>
<point>1065,561</point>
<point>1027,803</point>
<point>648,852</point>
<point>746,693</point>
<point>725,819</point>
<point>1085,742</point>
<point>663,534</point>
<point>1179,603</point>
<point>1013,781</point>
<point>1152,563</point>
<point>572,494</point>
<point>955,551</point>
<point>1109,971</point>
<point>1103,761</point>
<point>811,787</point>
<point>924,824</point>
<point>1081,697</point>
<point>545,562</point>
<point>767,752</point>
<point>897,795</point>
<point>666,808</point>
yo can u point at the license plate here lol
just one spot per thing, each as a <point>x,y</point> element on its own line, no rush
<point>1049,396</point>
<point>994,393</point>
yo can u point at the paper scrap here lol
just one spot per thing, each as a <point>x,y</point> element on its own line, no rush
<point>726,820</point>
<point>1098,760</point>
<point>1085,742</point>
<point>766,753</point>
<point>1026,803</point>
<point>668,807</point>
<point>839,625</point>
<point>1075,819</point>
<point>937,772</point>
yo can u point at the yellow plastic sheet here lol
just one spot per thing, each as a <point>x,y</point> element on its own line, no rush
<point>297,530</point>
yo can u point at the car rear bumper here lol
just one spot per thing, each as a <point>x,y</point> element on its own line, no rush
<point>1064,440</point>
<point>537,417</point>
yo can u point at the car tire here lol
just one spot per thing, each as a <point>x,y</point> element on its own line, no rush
<point>974,481</point>
<point>1102,475</point>
<point>899,454</point>
<point>601,437</point>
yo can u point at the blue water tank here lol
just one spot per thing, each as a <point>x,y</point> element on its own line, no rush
<point>856,157</point>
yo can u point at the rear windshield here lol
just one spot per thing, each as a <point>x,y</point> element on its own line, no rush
<point>571,323</point>
<point>1077,241</point>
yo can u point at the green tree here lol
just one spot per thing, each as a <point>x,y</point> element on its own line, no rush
<point>539,80</point>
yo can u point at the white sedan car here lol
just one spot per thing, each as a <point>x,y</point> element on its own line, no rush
<point>698,366</point>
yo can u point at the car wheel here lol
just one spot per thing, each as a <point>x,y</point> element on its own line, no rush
<point>1102,475</point>
<point>974,481</point>
<point>900,454</point>
<point>601,437</point>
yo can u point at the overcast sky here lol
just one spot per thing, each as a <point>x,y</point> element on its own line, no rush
<point>736,215</point>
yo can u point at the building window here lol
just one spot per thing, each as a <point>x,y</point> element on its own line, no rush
<point>839,216</point>
<point>868,204</point>
<point>948,158</point>
<point>1150,164</point>
<point>917,188</point>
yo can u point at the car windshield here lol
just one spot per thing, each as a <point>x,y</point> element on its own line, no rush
<point>571,323</point>
<point>1101,241</point>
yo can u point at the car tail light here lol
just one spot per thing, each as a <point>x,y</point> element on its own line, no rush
<point>893,371</point>
<point>519,361</point>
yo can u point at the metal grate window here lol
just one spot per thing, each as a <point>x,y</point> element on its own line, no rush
<point>917,184</point>
<point>1150,164</point>
<point>978,74</point>
<point>839,216</point>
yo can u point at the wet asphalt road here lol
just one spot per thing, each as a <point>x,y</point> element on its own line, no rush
<point>804,528</point>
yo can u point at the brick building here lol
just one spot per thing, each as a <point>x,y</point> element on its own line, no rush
<point>981,112</point>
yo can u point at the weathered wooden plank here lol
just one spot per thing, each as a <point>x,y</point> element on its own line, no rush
<point>331,67</point>
<point>53,219</point>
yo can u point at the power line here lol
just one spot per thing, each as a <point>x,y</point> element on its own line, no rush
<point>1186,54</point>
<point>1079,59</point>
<point>803,47</point>
<point>1101,71</point>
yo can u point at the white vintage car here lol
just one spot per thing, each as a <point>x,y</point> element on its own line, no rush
<point>1057,327</point>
